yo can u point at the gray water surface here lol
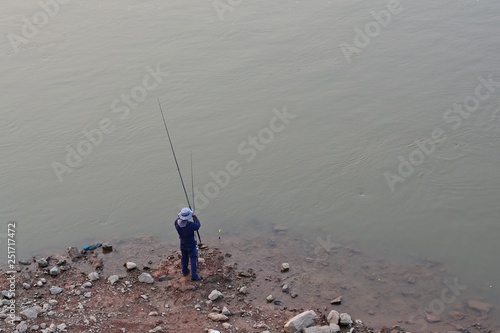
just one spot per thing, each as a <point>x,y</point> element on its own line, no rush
<point>353,112</point>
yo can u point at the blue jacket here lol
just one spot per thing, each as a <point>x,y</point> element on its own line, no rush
<point>186,233</point>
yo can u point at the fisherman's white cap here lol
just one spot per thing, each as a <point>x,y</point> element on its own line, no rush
<point>185,214</point>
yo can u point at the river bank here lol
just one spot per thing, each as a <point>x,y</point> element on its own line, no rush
<point>95,292</point>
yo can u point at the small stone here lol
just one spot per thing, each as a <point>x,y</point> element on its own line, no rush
<point>333,317</point>
<point>225,311</point>
<point>243,290</point>
<point>217,316</point>
<point>42,262</point>
<point>39,284</point>
<point>301,322</point>
<point>113,279</point>
<point>31,313</point>
<point>51,313</point>
<point>293,294</point>
<point>73,252</point>
<point>335,328</point>
<point>345,319</point>
<point>130,265</point>
<point>227,326</point>
<point>432,318</point>
<point>284,288</point>
<point>26,285</point>
<point>88,294</point>
<point>153,314</point>
<point>107,247</point>
<point>146,278</point>
<point>54,271</point>
<point>270,298</point>
<point>480,306</point>
<point>87,285</point>
<point>25,262</point>
<point>94,276</point>
<point>62,327</point>
<point>53,302</point>
<point>22,327</point>
<point>280,229</point>
<point>215,295</point>
<point>43,280</point>
<point>456,315</point>
<point>55,290</point>
<point>285,267</point>
<point>337,300</point>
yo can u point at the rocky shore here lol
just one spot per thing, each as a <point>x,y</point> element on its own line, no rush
<point>272,284</point>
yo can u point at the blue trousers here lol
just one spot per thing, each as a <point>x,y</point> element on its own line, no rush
<point>187,255</point>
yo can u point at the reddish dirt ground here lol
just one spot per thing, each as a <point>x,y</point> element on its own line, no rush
<point>385,296</point>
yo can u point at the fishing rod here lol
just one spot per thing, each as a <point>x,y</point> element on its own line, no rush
<point>177,164</point>
<point>192,179</point>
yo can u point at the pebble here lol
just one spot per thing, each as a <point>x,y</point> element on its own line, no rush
<point>345,319</point>
<point>42,262</point>
<point>32,312</point>
<point>225,311</point>
<point>153,314</point>
<point>217,316</point>
<point>130,265</point>
<point>285,267</point>
<point>54,271</point>
<point>88,294</point>
<point>284,288</point>
<point>87,285</point>
<point>55,290</point>
<point>53,302</point>
<point>337,300</point>
<point>243,290</point>
<point>432,318</point>
<point>215,295</point>
<point>22,327</point>
<point>146,278</point>
<point>270,298</point>
<point>26,285</point>
<point>94,276</point>
<point>113,279</point>
<point>62,327</point>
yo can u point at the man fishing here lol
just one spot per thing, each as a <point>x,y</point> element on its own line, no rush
<point>189,248</point>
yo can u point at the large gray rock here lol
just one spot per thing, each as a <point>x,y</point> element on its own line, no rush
<point>146,278</point>
<point>94,276</point>
<point>215,294</point>
<point>301,321</point>
<point>320,329</point>
<point>31,313</point>
<point>42,262</point>
<point>22,327</point>
<point>345,319</point>
<point>113,279</point>
<point>333,317</point>
<point>130,265</point>
<point>54,271</point>
<point>335,327</point>
<point>55,290</point>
